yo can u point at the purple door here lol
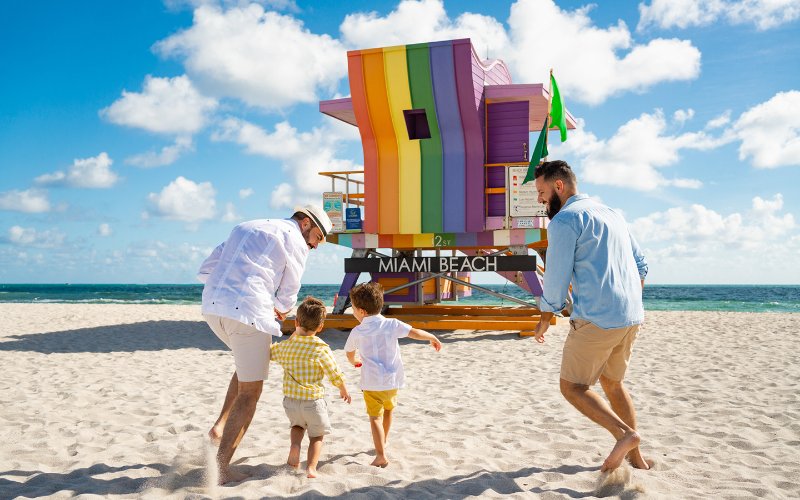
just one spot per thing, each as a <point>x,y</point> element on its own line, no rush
<point>507,136</point>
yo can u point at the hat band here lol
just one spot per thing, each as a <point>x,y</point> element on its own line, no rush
<point>317,222</point>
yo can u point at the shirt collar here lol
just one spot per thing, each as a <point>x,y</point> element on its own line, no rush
<point>311,339</point>
<point>574,198</point>
<point>372,319</point>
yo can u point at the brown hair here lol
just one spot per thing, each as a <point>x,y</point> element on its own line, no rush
<point>368,296</point>
<point>311,314</point>
<point>556,170</point>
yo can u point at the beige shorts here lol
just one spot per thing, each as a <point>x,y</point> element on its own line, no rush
<point>311,415</point>
<point>591,351</point>
<point>250,346</point>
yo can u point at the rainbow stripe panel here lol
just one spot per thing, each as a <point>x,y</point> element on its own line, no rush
<point>432,241</point>
<point>420,185</point>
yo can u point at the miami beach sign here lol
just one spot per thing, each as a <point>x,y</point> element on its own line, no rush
<point>491,263</point>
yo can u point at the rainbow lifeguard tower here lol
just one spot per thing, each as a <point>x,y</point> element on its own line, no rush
<point>446,146</point>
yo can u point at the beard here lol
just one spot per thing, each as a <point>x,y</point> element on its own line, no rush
<point>553,206</point>
<point>307,236</point>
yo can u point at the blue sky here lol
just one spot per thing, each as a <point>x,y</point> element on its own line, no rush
<point>134,135</point>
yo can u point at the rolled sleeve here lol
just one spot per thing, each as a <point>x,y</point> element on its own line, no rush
<point>561,243</point>
<point>641,261</point>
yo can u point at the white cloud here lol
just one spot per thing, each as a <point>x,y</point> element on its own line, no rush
<point>104,229</point>
<point>719,121</point>
<point>636,154</point>
<point>230,214</point>
<point>245,193</point>
<point>30,201</point>
<point>185,200</point>
<point>291,147</point>
<point>770,131</point>
<point>591,63</point>
<point>165,106</point>
<point>282,196</point>
<point>28,236</point>
<point>94,172</point>
<point>698,244</point>
<point>286,5</point>
<point>681,116</point>
<point>167,156</point>
<point>422,21</point>
<point>263,58</point>
<point>764,14</point>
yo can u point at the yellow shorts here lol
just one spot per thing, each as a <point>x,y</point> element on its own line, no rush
<point>377,401</point>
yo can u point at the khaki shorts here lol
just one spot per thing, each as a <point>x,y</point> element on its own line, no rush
<point>591,351</point>
<point>250,346</point>
<point>377,401</point>
<point>310,414</point>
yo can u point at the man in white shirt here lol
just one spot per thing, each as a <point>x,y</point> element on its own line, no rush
<point>251,284</point>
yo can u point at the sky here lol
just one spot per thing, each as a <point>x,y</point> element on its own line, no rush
<point>135,134</point>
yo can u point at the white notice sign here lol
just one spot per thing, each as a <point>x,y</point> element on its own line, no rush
<point>332,204</point>
<point>522,199</point>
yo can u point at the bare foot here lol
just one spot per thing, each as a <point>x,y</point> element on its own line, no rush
<point>215,435</point>
<point>637,461</point>
<point>294,457</point>
<point>380,462</point>
<point>628,442</point>
<point>231,476</point>
<point>311,472</point>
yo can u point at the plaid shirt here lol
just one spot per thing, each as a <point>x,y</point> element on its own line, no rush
<point>305,361</point>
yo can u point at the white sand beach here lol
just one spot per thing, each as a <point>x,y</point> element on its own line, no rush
<point>116,400</point>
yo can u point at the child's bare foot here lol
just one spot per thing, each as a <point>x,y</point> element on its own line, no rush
<point>294,457</point>
<point>380,461</point>
<point>215,435</point>
<point>231,476</point>
<point>311,472</point>
<point>626,443</point>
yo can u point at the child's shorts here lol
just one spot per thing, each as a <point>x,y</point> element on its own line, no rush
<point>310,414</point>
<point>377,401</point>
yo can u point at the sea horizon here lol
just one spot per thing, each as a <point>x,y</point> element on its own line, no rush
<point>779,298</point>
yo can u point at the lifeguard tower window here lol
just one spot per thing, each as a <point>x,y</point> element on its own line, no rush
<point>417,124</point>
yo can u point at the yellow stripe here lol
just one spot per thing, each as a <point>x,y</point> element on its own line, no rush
<point>410,185</point>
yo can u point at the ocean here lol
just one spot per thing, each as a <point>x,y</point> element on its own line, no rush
<point>745,298</point>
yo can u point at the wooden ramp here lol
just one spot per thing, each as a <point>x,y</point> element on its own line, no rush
<point>438,317</point>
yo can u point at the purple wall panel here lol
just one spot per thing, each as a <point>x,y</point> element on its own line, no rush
<point>496,205</point>
<point>473,138</point>
<point>508,132</point>
<point>495,177</point>
<point>453,147</point>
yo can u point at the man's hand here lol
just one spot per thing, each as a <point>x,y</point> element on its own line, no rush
<point>280,315</point>
<point>541,328</point>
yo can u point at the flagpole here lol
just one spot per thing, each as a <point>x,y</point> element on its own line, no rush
<point>549,108</point>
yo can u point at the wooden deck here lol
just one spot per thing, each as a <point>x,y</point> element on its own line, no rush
<point>438,317</point>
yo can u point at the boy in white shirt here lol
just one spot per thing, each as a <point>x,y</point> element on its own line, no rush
<point>381,367</point>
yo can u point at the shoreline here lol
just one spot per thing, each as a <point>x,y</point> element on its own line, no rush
<point>115,400</point>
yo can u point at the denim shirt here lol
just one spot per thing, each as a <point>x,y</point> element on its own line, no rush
<point>589,245</point>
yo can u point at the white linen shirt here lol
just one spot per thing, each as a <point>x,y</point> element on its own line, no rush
<point>376,340</point>
<point>256,270</point>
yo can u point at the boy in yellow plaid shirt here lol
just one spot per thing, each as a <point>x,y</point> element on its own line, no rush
<point>306,360</point>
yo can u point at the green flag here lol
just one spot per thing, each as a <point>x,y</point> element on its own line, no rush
<point>557,110</point>
<point>539,152</point>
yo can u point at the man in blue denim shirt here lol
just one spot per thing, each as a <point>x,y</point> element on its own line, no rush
<point>589,245</point>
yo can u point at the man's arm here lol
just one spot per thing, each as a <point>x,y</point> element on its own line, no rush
<point>561,243</point>
<point>641,261</point>
<point>208,265</point>
<point>289,286</point>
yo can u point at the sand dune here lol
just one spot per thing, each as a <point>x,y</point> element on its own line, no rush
<point>115,400</point>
